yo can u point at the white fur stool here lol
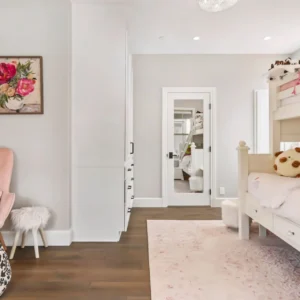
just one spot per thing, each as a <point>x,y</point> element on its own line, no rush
<point>29,218</point>
<point>230,213</point>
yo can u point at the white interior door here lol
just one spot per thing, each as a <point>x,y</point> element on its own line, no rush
<point>188,171</point>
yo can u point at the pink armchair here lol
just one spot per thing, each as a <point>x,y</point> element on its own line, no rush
<point>7,199</point>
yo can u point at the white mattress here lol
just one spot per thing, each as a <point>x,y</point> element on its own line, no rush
<point>281,194</point>
<point>291,208</point>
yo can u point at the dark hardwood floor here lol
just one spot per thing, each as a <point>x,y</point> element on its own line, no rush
<point>102,271</point>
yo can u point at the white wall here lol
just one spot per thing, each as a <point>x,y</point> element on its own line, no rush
<point>296,55</point>
<point>41,143</point>
<point>234,76</point>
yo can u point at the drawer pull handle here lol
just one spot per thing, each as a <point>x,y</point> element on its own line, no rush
<point>132,165</point>
<point>129,170</point>
<point>256,210</point>
<point>291,233</point>
<point>132,197</point>
<point>129,187</point>
<point>132,179</point>
<point>129,210</point>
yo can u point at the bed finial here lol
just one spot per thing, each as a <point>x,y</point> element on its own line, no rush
<point>242,144</point>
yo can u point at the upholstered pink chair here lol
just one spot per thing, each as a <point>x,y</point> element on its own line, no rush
<point>7,199</point>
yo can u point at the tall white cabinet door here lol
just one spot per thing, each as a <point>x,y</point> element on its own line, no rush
<point>129,108</point>
<point>129,159</point>
<point>99,84</point>
<point>98,116</point>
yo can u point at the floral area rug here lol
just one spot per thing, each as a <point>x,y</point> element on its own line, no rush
<point>204,260</point>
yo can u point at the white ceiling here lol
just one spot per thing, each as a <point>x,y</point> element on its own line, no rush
<point>240,29</point>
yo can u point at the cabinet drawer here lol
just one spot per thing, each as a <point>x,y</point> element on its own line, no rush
<point>287,230</point>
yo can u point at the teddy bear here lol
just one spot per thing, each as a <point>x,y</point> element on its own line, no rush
<point>287,163</point>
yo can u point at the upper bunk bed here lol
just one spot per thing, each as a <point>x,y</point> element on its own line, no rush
<point>196,130</point>
<point>285,90</point>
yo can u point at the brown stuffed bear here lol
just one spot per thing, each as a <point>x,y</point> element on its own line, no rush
<point>287,163</point>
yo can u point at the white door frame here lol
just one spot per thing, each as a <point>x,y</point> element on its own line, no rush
<point>212,92</point>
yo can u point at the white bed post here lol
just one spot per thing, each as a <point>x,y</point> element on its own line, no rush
<point>244,220</point>
<point>193,158</point>
<point>275,126</point>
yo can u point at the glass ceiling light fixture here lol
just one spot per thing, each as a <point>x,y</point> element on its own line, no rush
<point>216,5</point>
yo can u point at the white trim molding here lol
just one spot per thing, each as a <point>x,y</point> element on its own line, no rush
<point>54,238</point>
<point>148,202</point>
<point>213,128</point>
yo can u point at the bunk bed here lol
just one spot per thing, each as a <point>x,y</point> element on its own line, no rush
<point>197,129</point>
<point>192,163</point>
<point>283,221</point>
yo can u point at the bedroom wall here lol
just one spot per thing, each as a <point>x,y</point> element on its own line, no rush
<point>41,143</point>
<point>234,76</point>
<point>296,54</point>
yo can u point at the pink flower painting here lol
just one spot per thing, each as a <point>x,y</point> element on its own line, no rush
<point>21,85</point>
<point>7,72</point>
<point>25,87</point>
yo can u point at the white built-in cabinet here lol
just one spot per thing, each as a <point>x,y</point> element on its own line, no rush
<point>129,143</point>
<point>102,139</point>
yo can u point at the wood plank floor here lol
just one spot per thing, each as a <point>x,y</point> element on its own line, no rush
<point>102,271</point>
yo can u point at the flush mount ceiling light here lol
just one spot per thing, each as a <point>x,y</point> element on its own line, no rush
<point>216,5</point>
<point>196,38</point>
<point>267,38</point>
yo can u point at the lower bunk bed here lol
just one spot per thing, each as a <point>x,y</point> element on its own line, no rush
<point>272,201</point>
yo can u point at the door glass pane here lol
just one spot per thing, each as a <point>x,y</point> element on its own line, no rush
<point>188,146</point>
<point>288,145</point>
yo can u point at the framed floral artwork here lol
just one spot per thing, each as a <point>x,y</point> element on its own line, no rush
<point>21,85</point>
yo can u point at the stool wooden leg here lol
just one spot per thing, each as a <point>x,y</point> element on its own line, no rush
<point>43,237</point>
<point>13,250</point>
<point>23,240</point>
<point>35,240</point>
<point>2,242</point>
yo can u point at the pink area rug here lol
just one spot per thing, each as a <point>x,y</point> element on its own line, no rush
<point>203,260</point>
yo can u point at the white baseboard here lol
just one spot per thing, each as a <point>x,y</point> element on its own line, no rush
<point>54,237</point>
<point>148,202</point>
<point>217,202</point>
<point>158,202</point>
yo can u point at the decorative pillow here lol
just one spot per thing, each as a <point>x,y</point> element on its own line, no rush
<point>287,163</point>
<point>5,269</point>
